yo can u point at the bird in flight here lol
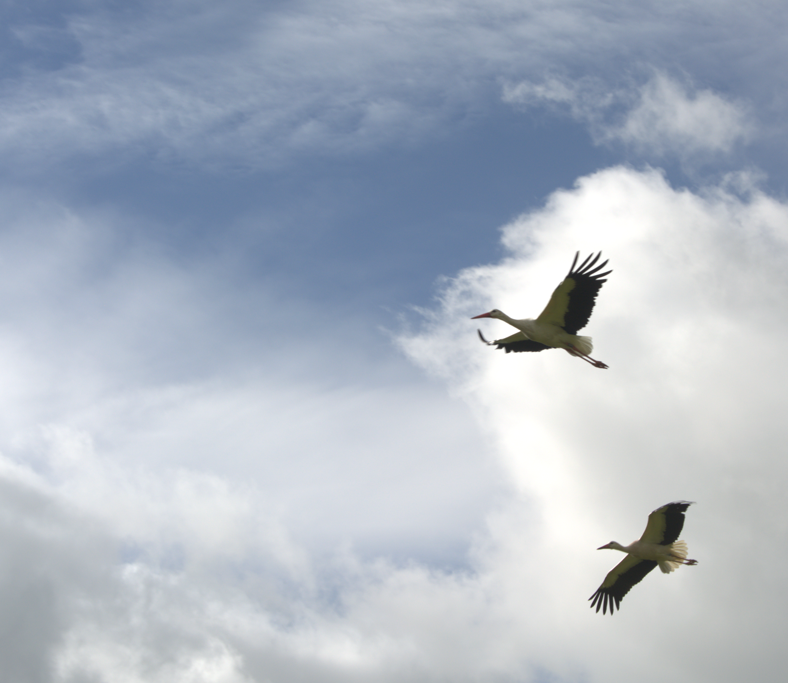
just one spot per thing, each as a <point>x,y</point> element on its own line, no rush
<point>657,547</point>
<point>567,312</point>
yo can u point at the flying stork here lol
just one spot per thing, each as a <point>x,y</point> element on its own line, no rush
<point>657,546</point>
<point>568,311</point>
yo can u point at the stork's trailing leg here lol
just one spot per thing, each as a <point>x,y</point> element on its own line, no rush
<point>684,560</point>
<point>576,352</point>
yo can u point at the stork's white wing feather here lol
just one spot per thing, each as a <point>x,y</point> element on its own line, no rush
<point>555,311</point>
<point>655,529</point>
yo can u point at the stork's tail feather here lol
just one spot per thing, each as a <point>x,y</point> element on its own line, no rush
<point>679,551</point>
<point>583,344</point>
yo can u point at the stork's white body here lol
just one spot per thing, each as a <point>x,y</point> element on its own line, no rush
<point>548,333</point>
<point>667,557</point>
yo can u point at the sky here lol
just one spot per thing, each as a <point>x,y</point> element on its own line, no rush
<point>248,433</point>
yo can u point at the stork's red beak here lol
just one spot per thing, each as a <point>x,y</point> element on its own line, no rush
<point>483,315</point>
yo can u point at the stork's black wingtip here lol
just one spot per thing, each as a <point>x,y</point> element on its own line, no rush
<point>481,336</point>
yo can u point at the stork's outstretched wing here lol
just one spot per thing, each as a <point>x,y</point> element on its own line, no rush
<point>573,300</point>
<point>515,343</point>
<point>618,581</point>
<point>665,523</point>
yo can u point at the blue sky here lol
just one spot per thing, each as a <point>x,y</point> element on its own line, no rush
<point>247,430</point>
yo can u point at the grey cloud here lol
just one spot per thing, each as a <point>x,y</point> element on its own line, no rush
<point>53,560</point>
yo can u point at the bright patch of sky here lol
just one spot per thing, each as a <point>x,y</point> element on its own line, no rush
<point>247,430</point>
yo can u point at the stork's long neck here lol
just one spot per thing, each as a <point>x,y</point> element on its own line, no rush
<point>523,325</point>
<point>507,319</point>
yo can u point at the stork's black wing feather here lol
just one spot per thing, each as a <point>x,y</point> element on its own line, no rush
<point>588,282</point>
<point>519,346</point>
<point>515,346</point>
<point>665,523</point>
<point>572,302</point>
<point>617,583</point>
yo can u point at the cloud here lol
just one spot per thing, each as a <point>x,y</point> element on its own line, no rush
<point>195,488</point>
<point>161,562</point>
<point>180,574</point>
<point>115,337</point>
<point>260,87</point>
<point>688,323</point>
<point>668,119</point>
<point>250,87</point>
<point>583,98</point>
<point>661,118</point>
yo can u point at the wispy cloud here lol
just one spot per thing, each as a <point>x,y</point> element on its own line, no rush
<point>202,86</point>
<point>661,118</point>
<point>669,119</point>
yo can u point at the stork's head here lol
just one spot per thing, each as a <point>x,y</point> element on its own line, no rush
<point>611,546</point>
<point>494,313</point>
